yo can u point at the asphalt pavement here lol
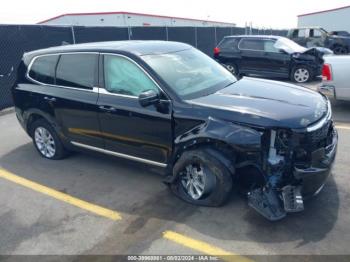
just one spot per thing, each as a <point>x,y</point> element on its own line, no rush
<point>95,204</point>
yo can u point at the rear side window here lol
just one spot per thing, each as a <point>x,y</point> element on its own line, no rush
<point>251,44</point>
<point>77,70</point>
<point>228,43</point>
<point>43,69</point>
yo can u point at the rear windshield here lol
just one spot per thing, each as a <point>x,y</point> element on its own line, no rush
<point>190,73</point>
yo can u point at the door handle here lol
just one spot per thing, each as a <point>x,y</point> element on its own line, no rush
<point>50,99</point>
<point>107,108</point>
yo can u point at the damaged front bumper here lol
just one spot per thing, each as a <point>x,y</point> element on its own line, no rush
<point>314,177</point>
<point>275,199</point>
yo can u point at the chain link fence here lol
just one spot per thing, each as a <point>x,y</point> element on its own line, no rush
<point>17,39</point>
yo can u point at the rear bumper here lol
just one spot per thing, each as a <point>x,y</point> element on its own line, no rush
<point>327,89</point>
<point>314,177</point>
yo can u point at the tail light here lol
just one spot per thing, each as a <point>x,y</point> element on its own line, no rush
<point>327,72</point>
<point>216,50</point>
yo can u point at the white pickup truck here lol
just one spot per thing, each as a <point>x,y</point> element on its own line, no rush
<point>336,77</point>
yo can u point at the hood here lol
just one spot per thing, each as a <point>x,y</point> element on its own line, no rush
<point>265,103</point>
<point>318,51</point>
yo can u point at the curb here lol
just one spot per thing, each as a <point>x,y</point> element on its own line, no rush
<point>7,111</point>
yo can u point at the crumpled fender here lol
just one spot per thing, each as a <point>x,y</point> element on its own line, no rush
<point>239,137</point>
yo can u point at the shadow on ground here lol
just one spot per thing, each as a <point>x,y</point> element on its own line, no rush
<point>137,190</point>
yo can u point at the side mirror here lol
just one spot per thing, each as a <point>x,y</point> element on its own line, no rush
<point>148,97</point>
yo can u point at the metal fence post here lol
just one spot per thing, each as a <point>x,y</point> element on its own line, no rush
<point>216,42</point>
<point>129,32</point>
<point>73,34</point>
<point>195,35</point>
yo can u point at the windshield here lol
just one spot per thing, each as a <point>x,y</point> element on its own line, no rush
<point>289,46</point>
<point>190,73</point>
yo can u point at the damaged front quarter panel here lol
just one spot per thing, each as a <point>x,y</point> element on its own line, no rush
<point>239,137</point>
<point>230,138</point>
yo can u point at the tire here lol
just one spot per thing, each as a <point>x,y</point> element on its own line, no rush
<point>216,176</point>
<point>340,50</point>
<point>46,140</point>
<point>232,68</point>
<point>301,74</point>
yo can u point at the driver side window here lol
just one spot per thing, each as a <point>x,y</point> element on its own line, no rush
<point>124,77</point>
<point>269,46</point>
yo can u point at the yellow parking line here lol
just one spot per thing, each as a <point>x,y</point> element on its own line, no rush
<point>101,211</point>
<point>342,127</point>
<point>204,247</point>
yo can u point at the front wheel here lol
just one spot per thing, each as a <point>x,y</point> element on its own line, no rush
<point>301,74</point>
<point>202,179</point>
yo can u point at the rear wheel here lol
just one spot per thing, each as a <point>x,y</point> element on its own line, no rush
<point>202,179</point>
<point>46,140</point>
<point>301,74</point>
<point>232,68</point>
<point>340,50</point>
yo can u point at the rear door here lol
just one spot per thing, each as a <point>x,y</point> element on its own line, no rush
<point>72,98</point>
<point>130,130</point>
<point>76,105</point>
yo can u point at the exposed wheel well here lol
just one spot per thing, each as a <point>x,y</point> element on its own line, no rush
<point>32,118</point>
<point>225,152</point>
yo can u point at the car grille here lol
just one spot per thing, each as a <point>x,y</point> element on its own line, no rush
<point>319,137</point>
<point>316,136</point>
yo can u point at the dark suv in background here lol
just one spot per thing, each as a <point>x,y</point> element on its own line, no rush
<point>337,41</point>
<point>168,105</point>
<point>269,56</point>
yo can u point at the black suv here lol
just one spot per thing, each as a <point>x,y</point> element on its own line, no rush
<point>168,105</point>
<point>269,56</point>
<point>337,41</point>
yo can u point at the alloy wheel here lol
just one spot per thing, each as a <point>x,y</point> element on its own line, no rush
<point>45,142</point>
<point>301,75</point>
<point>193,181</point>
<point>231,68</point>
<point>339,50</point>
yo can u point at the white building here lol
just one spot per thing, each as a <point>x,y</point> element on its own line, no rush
<point>125,19</point>
<point>337,19</point>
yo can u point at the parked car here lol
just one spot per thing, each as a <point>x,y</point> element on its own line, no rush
<point>336,78</point>
<point>269,56</point>
<point>169,105</point>
<point>338,42</point>
<point>340,33</point>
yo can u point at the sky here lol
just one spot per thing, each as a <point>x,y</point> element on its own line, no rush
<point>278,14</point>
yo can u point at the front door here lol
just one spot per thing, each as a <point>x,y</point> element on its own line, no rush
<point>278,60</point>
<point>130,130</point>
